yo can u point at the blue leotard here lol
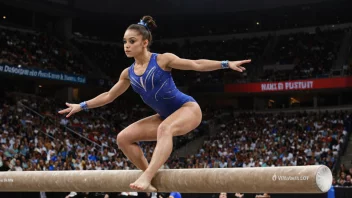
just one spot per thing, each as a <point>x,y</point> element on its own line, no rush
<point>157,88</point>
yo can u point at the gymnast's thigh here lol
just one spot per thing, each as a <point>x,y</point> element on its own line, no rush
<point>142,130</point>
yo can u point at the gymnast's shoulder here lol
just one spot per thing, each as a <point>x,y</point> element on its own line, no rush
<point>170,61</point>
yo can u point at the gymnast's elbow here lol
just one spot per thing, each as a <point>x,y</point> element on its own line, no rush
<point>106,98</point>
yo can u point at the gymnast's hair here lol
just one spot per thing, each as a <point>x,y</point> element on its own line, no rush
<point>145,27</point>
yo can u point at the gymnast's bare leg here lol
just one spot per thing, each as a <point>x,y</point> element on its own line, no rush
<point>181,122</point>
<point>142,130</point>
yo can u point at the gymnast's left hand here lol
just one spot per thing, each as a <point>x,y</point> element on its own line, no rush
<point>237,65</point>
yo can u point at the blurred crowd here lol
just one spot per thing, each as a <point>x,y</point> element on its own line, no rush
<point>266,140</point>
<point>40,50</point>
<point>42,140</point>
<point>344,177</point>
<point>310,54</point>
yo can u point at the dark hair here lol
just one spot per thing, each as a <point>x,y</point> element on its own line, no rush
<point>146,32</point>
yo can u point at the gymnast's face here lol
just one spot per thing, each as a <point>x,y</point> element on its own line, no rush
<point>133,43</point>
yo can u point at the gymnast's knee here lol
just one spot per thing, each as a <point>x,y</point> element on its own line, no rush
<point>164,130</point>
<point>121,141</point>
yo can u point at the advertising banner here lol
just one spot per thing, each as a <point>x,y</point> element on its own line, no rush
<point>41,73</point>
<point>326,83</point>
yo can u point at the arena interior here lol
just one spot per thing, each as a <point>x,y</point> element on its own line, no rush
<point>291,107</point>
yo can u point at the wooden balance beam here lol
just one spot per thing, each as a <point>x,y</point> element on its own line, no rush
<point>290,179</point>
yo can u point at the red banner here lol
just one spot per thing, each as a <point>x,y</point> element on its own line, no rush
<point>326,83</point>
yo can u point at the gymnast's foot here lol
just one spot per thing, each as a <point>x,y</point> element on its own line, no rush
<point>143,184</point>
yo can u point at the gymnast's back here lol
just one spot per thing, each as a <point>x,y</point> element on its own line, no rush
<point>157,88</point>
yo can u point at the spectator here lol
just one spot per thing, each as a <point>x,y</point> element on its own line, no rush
<point>347,182</point>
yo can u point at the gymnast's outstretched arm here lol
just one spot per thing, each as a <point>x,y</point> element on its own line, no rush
<point>107,97</point>
<point>202,65</point>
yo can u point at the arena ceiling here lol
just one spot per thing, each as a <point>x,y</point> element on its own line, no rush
<point>182,6</point>
<point>155,7</point>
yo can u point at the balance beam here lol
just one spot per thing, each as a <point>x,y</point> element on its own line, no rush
<point>291,179</point>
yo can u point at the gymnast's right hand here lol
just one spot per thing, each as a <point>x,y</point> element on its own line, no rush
<point>71,109</point>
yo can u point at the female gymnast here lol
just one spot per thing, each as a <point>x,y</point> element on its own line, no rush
<point>150,76</point>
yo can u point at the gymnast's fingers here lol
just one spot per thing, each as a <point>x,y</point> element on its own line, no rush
<point>244,62</point>
<point>243,68</point>
<point>67,110</point>
<point>71,112</point>
<point>237,69</point>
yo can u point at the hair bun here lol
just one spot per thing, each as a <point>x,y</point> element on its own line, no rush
<point>150,22</point>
